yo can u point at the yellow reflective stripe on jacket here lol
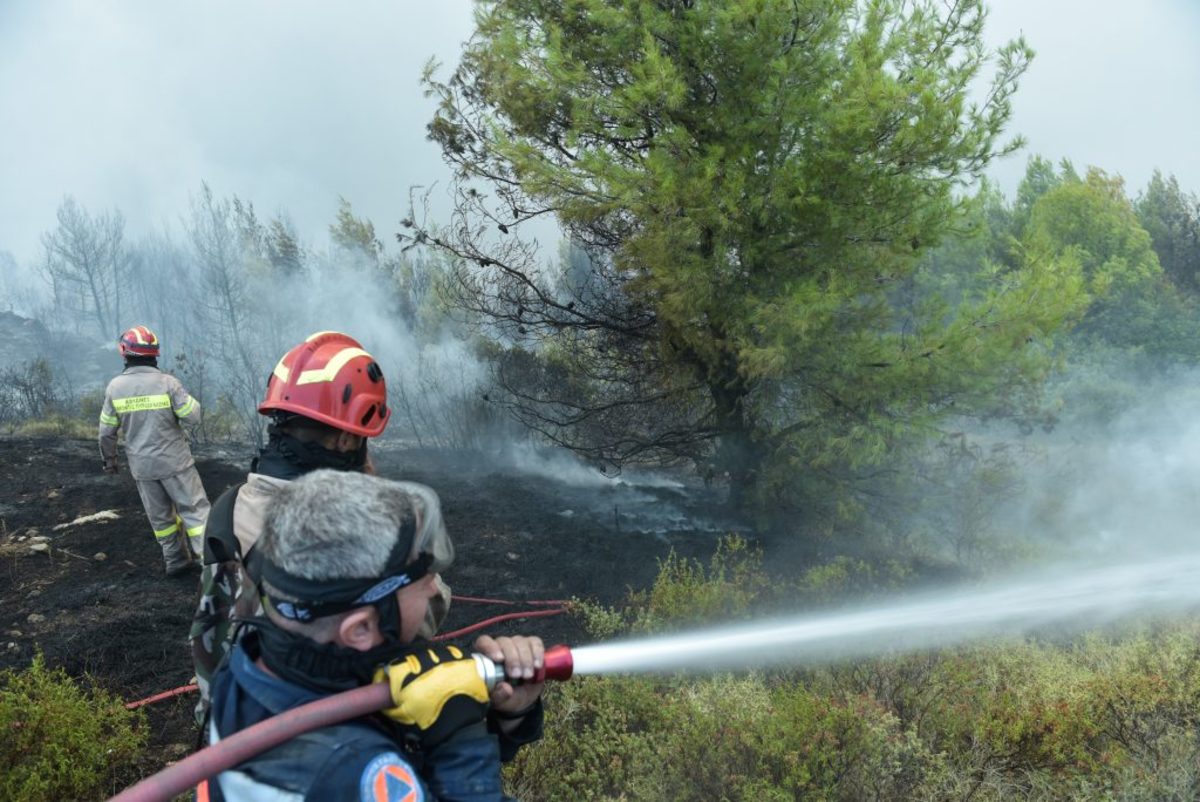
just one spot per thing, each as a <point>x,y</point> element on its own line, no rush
<point>140,403</point>
<point>170,530</point>
<point>329,372</point>
<point>186,409</point>
<point>109,420</point>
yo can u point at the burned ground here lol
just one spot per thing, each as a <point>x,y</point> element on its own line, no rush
<point>92,596</point>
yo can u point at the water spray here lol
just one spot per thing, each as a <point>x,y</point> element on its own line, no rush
<point>1069,597</point>
<point>1076,597</point>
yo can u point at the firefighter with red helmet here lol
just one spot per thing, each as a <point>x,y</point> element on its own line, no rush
<point>150,407</point>
<point>325,398</point>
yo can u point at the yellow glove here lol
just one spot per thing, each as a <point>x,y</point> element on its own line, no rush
<point>437,691</point>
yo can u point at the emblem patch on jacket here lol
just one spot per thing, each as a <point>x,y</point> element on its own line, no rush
<point>387,778</point>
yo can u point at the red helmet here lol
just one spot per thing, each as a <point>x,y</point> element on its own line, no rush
<point>331,379</point>
<point>138,341</point>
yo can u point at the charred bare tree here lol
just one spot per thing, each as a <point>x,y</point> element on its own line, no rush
<point>165,294</point>
<point>581,362</point>
<point>87,266</point>
<point>215,236</point>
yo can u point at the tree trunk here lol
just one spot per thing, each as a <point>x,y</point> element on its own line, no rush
<point>739,455</point>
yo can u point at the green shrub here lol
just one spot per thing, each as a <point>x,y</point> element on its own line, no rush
<point>61,741</point>
<point>221,422</point>
<point>729,738</point>
<point>687,593</point>
<point>57,425</point>
<point>601,623</point>
<point>733,587</point>
<point>1112,716</point>
<point>844,577</point>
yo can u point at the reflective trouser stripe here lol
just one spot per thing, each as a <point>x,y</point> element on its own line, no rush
<point>139,403</point>
<point>196,530</point>
<point>109,420</point>
<point>165,533</point>
<point>186,409</point>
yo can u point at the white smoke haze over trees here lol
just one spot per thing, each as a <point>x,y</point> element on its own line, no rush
<point>228,293</point>
<point>234,176</point>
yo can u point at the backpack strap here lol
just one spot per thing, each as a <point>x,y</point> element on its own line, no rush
<point>220,543</point>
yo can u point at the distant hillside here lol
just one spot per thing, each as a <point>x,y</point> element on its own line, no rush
<point>77,361</point>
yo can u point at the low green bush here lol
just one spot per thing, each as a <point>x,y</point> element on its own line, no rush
<point>60,741</point>
<point>56,426</point>
<point>1105,716</point>
<point>724,738</point>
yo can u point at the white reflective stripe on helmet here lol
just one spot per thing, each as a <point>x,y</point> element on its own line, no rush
<point>330,371</point>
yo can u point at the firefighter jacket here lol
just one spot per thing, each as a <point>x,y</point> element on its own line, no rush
<point>354,760</point>
<point>148,405</point>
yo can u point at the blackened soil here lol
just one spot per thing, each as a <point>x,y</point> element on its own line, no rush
<point>96,603</point>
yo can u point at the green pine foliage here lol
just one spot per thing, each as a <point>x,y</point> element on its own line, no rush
<point>1172,218</point>
<point>759,180</point>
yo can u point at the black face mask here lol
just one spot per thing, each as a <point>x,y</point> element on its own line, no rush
<point>322,666</point>
<point>285,457</point>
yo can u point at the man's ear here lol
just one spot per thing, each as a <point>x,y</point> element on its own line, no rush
<point>347,442</point>
<point>359,630</point>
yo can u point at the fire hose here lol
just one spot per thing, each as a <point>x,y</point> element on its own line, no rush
<point>176,779</point>
<point>557,608</point>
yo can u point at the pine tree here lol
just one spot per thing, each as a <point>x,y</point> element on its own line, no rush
<point>752,182</point>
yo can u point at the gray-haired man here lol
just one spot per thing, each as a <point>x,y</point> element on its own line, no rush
<point>347,567</point>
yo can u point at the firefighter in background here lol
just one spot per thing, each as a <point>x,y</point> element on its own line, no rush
<point>149,406</point>
<point>325,398</point>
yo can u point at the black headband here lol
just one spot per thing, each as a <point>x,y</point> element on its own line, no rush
<point>318,598</point>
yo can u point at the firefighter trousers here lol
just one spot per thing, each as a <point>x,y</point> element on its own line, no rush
<point>178,510</point>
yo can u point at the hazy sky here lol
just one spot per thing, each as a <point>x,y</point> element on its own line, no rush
<point>133,103</point>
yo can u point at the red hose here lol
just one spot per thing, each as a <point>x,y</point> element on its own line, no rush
<point>158,697</point>
<point>239,747</point>
<point>458,633</point>
<point>534,602</point>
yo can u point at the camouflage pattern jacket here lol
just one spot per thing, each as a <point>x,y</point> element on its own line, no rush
<point>226,594</point>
